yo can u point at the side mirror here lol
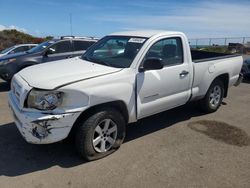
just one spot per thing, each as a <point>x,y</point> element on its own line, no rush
<point>49,51</point>
<point>152,63</point>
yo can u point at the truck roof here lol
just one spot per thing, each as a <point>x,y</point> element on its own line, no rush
<point>25,45</point>
<point>145,33</point>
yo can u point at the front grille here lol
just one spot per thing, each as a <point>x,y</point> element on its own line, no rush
<point>15,117</point>
<point>16,90</point>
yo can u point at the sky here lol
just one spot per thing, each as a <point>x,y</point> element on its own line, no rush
<point>196,18</point>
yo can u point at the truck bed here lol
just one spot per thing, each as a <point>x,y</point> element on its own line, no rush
<point>209,65</point>
<point>199,56</point>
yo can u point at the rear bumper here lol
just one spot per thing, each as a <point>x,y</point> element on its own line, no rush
<point>238,82</point>
<point>39,128</point>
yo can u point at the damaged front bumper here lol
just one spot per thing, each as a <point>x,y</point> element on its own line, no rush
<point>40,128</point>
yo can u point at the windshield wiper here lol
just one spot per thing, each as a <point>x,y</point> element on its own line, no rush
<point>85,58</point>
<point>98,61</point>
<point>101,62</point>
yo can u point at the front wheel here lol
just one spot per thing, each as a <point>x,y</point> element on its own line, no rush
<point>100,134</point>
<point>213,98</point>
<point>6,78</point>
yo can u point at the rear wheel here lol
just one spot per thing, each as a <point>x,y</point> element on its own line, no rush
<point>101,134</point>
<point>213,99</point>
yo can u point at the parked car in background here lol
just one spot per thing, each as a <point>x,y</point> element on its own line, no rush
<point>16,49</point>
<point>239,48</point>
<point>246,69</point>
<point>56,49</point>
<point>121,79</point>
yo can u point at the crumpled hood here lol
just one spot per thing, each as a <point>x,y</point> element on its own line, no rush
<point>58,73</point>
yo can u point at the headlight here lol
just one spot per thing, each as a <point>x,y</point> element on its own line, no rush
<point>9,60</point>
<point>6,61</point>
<point>44,100</point>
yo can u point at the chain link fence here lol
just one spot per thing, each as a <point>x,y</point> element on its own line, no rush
<point>240,45</point>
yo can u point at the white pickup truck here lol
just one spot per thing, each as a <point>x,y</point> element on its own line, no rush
<point>124,77</point>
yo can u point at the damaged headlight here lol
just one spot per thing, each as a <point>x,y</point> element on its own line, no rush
<point>44,100</point>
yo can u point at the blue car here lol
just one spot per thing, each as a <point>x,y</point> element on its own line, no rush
<point>56,49</point>
<point>246,69</point>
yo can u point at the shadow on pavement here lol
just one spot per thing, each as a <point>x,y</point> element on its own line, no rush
<point>246,80</point>
<point>18,157</point>
<point>161,121</point>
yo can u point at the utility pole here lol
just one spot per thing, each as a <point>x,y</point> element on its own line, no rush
<point>70,20</point>
<point>244,38</point>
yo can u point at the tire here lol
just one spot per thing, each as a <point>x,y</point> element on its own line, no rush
<point>92,129</point>
<point>8,80</point>
<point>213,98</point>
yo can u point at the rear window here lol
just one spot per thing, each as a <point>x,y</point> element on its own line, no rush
<point>61,47</point>
<point>19,49</point>
<point>82,45</point>
<point>31,47</point>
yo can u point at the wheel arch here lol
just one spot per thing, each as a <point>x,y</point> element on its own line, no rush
<point>26,64</point>
<point>225,79</point>
<point>118,105</point>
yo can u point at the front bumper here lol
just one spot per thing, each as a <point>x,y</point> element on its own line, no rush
<point>39,128</point>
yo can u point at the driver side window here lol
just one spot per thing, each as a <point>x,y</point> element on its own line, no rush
<point>19,49</point>
<point>60,47</point>
<point>169,50</point>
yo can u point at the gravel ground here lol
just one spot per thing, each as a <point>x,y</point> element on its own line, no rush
<point>177,148</point>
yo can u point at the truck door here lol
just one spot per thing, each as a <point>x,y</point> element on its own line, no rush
<point>159,90</point>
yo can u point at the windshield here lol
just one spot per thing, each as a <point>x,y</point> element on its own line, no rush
<point>41,47</point>
<point>6,50</point>
<point>115,51</point>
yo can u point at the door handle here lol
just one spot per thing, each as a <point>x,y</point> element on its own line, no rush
<point>70,56</point>
<point>184,73</point>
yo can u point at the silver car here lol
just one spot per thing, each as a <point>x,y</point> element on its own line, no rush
<point>17,48</point>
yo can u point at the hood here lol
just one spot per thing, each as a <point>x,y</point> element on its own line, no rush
<point>58,73</point>
<point>11,56</point>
